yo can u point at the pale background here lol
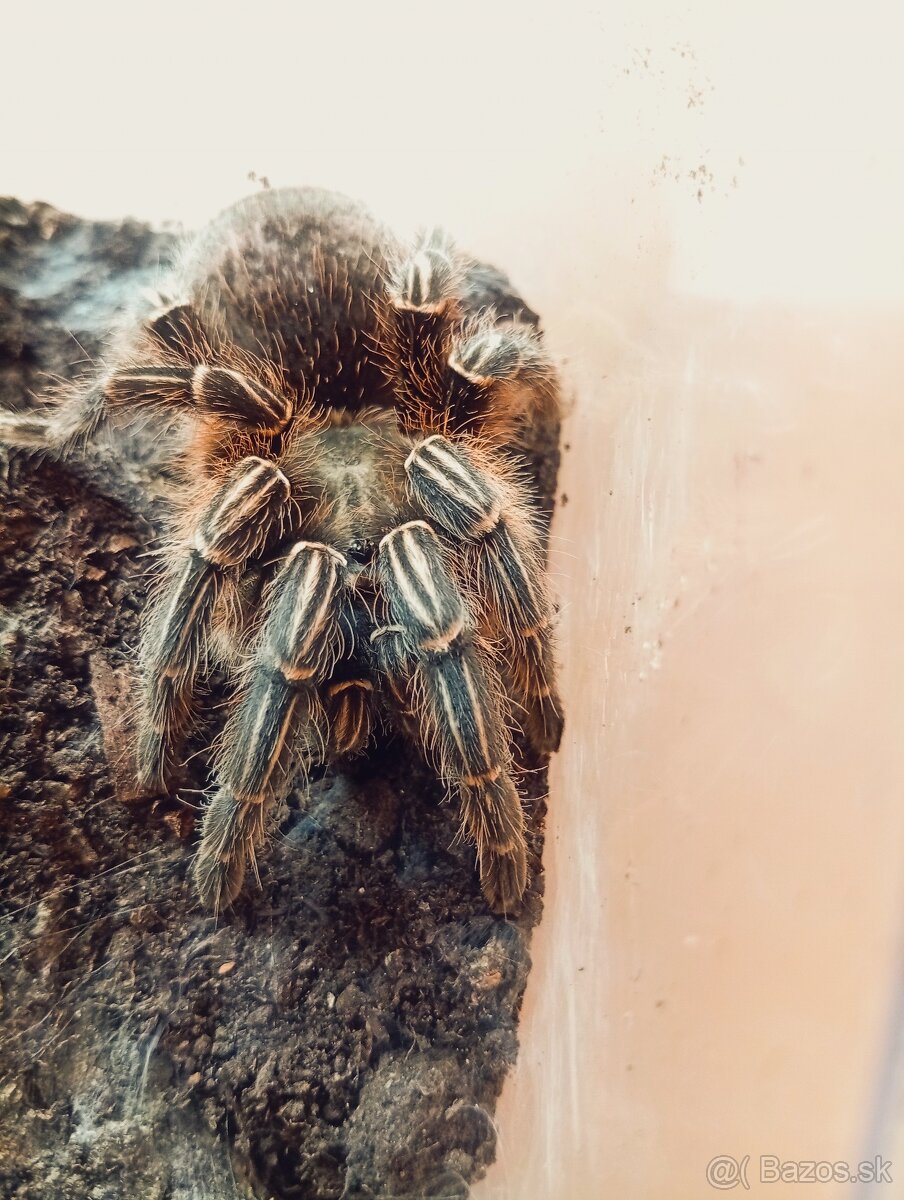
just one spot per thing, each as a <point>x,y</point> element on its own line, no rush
<point>704,201</point>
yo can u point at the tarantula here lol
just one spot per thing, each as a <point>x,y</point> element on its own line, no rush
<point>353,537</point>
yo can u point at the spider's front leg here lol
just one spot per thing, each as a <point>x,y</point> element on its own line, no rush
<point>278,717</point>
<point>235,524</point>
<point>493,518</point>
<point>456,700</point>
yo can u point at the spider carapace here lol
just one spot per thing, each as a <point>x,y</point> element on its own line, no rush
<point>353,537</point>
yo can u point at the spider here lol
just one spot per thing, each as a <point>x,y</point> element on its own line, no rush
<point>353,539</point>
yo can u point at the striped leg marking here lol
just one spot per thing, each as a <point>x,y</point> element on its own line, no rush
<point>79,413</point>
<point>397,665</point>
<point>29,430</point>
<point>172,652</point>
<point>217,391</point>
<point>429,279</point>
<point>279,718</point>
<point>417,329</point>
<point>456,703</point>
<point>235,525</point>
<point>498,371</point>
<point>467,502</point>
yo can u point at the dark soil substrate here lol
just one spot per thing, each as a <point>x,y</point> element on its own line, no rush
<point>345,1031</point>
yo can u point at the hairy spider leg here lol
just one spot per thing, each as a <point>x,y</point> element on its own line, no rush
<point>499,376</point>
<point>455,702</point>
<point>487,514</point>
<point>202,389</point>
<point>215,391</point>
<point>453,370</point>
<point>234,526</point>
<point>279,717</point>
<point>74,418</point>
<point>417,329</point>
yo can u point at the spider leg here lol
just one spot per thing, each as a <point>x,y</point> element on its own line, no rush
<point>417,328</point>
<point>75,417</point>
<point>398,665</point>
<point>209,391</point>
<point>176,326</point>
<point>456,700</point>
<point>278,718</point>
<point>499,379</point>
<point>234,526</point>
<point>455,368</point>
<point>449,484</point>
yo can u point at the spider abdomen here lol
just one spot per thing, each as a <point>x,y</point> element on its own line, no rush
<point>295,276</point>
